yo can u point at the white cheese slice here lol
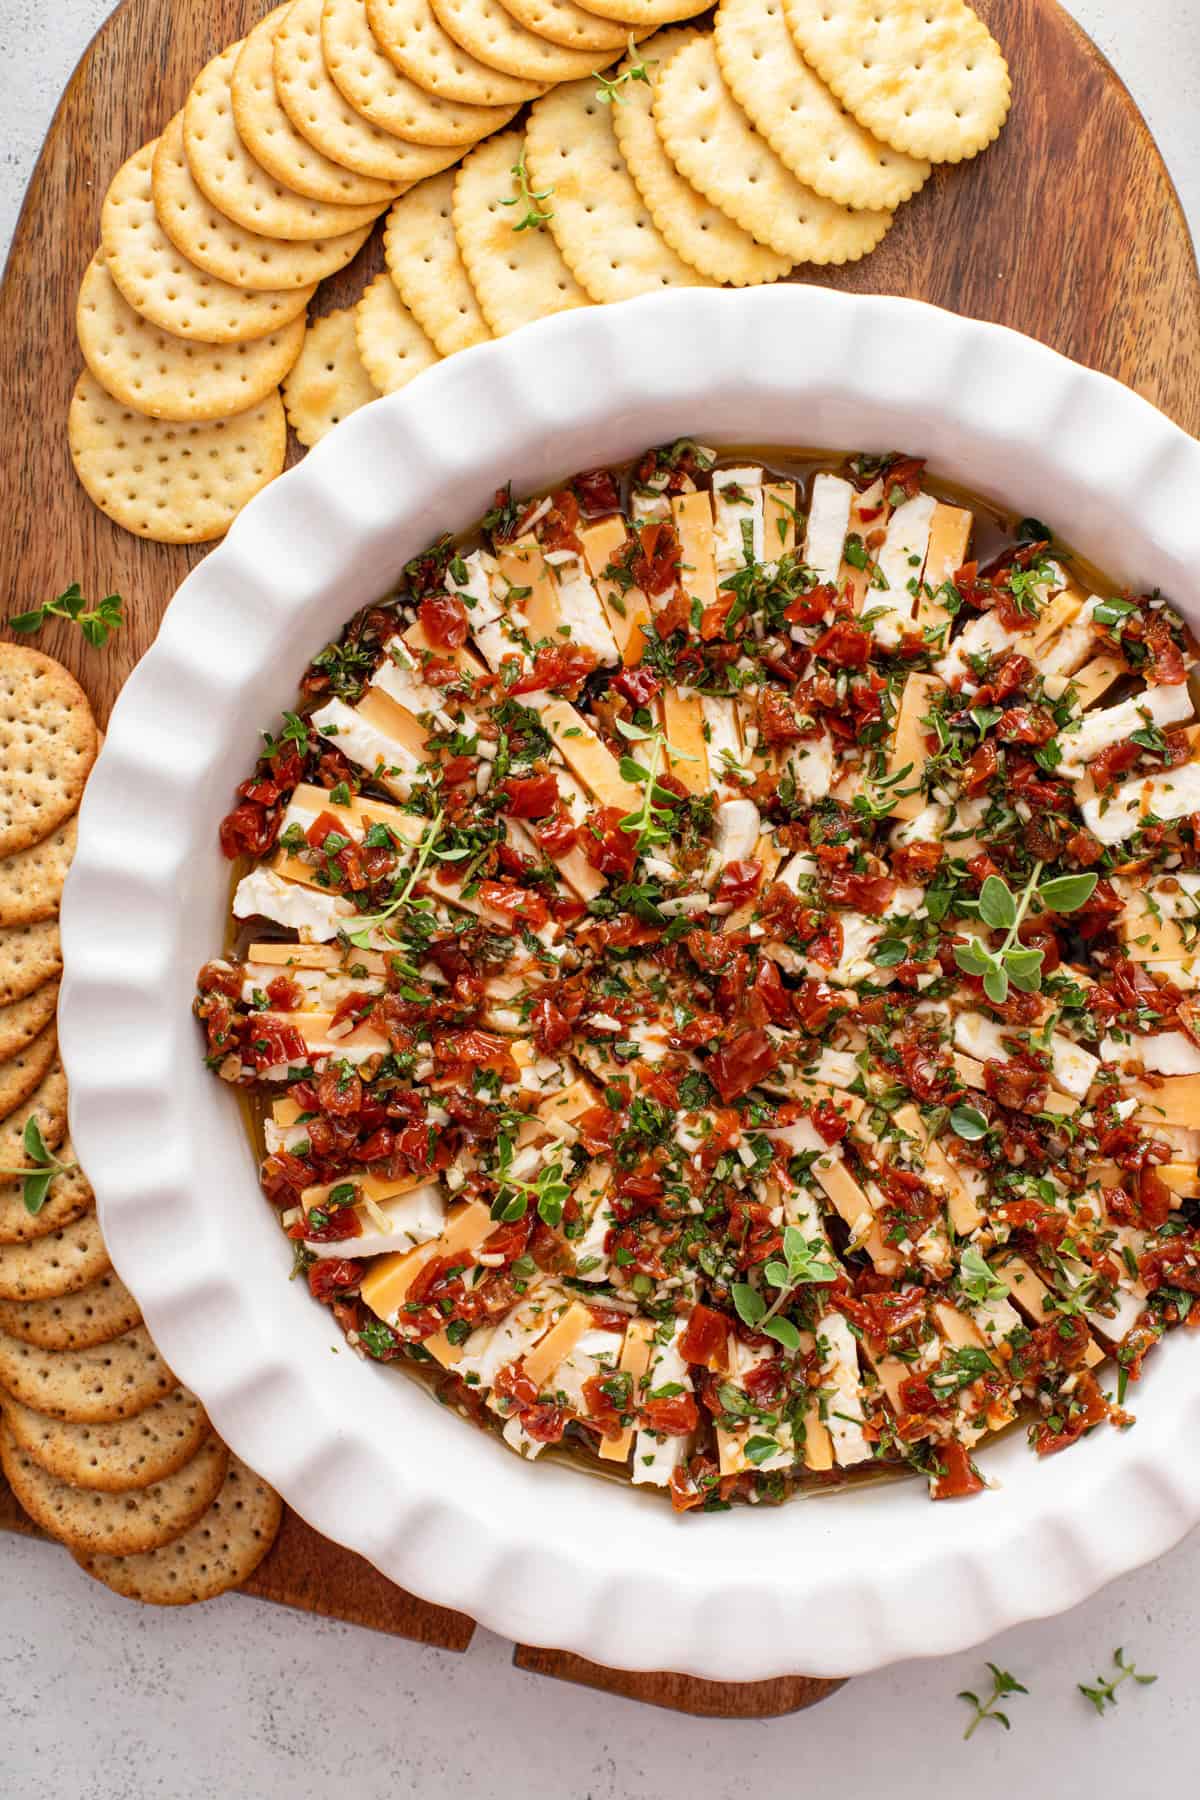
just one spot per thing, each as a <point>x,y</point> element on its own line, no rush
<point>399,675</point>
<point>655,1459</point>
<point>1109,725</point>
<point>317,916</point>
<point>730,515</point>
<point>983,635</point>
<point>843,1412</point>
<point>1073,645</point>
<point>1072,1068</point>
<point>322,988</point>
<point>738,826</point>
<point>828,524</point>
<point>596,1353</point>
<point>723,741</point>
<point>413,1218</point>
<point>477,592</point>
<point>810,765</point>
<point>925,827</point>
<point>900,560</point>
<point>582,613</point>
<point>362,742</point>
<point>1164,797</point>
<point>859,937</point>
<point>1167,1053</point>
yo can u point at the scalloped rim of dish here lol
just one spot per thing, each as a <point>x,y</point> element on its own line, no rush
<point>833,1585</point>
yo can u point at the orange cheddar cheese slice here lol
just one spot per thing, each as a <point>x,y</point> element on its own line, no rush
<point>693,521</point>
<point>908,749</point>
<point>635,1361</point>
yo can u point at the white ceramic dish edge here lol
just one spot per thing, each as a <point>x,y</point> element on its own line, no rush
<point>541,1554</point>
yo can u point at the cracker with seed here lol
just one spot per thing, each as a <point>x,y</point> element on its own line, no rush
<point>163,286</point>
<point>103,1310</point>
<point>714,146</point>
<point>60,1263</point>
<point>272,139</point>
<point>89,1522</point>
<point>422,255</point>
<point>645,15</point>
<point>21,1022</point>
<point>375,87</point>
<point>111,1381</point>
<point>226,173</point>
<point>569,25</point>
<point>177,484</point>
<point>924,75</point>
<point>69,1197</point>
<point>31,881</point>
<point>23,1073</point>
<point>696,230</point>
<point>30,955</point>
<point>320,112</point>
<point>808,128</point>
<point>607,237</point>
<point>48,744</point>
<point>391,345</point>
<point>113,1458</point>
<point>517,275</point>
<point>492,36</point>
<point>48,1107</point>
<point>411,36</point>
<point>244,259</point>
<point>220,1552</point>
<point>329,381</point>
<point>166,377</point>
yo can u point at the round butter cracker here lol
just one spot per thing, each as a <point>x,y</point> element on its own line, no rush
<point>220,1552</point>
<point>713,145</point>
<point>391,345</point>
<point>273,140</point>
<point>30,955</point>
<point>565,23</point>
<point>31,881</point>
<point>696,230</point>
<point>244,259</point>
<point>111,1381</point>
<point>645,15</point>
<point>160,283</point>
<point>176,484</point>
<point>89,1521</point>
<point>375,87</point>
<point>924,75</point>
<point>329,381</point>
<point>95,1314</point>
<point>227,175</point>
<point>518,276</point>
<point>491,35</point>
<point>423,257</point>
<point>320,112</point>
<point>808,128</point>
<point>113,1458</point>
<point>411,36</point>
<point>165,377</point>
<point>599,220</point>
<point>48,744</point>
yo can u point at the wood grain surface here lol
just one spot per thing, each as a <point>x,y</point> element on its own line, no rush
<point>1068,229</point>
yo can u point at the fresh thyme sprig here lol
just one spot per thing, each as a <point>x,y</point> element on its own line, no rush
<point>534,219</point>
<point>800,1265</point>
<point>1003,1684</point>
<point>97,623</point>
<point>36,1181</point>
<point>1105,1692</point>
<point>653,822</point>
<point>1017,964</point>
<point>361,938</point>
<point>609,90</point>
<point>549,1191</point>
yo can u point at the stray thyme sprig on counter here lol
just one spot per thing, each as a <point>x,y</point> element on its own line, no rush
<point>1104,1694</point>
<point>1003,1684</point>
<point>97,623</point>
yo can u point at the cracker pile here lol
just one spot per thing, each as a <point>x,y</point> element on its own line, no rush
<point>778,133</point>
<point>98,1441</point>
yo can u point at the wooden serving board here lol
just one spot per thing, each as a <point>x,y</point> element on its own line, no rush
<point>1068,229</point>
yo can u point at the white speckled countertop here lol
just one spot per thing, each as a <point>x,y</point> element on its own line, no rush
<point>100,1700</point>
